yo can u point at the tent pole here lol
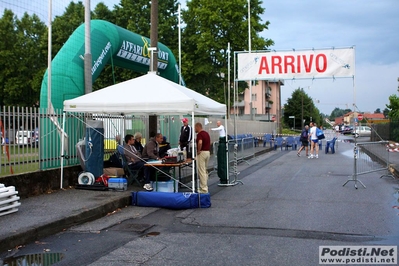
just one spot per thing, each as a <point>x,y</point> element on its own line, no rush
<point>193,148</point>
<point>62,150</point>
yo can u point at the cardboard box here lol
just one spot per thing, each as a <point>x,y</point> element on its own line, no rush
<point>114,171</point>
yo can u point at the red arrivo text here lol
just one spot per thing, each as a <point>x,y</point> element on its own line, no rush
<point>293,64</point>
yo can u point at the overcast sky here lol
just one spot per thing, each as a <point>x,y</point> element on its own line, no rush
<point>371,26</point>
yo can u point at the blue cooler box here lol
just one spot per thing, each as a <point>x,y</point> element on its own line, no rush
<point>118,183</point>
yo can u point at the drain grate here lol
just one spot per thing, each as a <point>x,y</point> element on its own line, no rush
<point>132,227</point>
<point>153,234</point>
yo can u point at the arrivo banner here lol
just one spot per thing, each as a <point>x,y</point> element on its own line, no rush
<point>330,63</point>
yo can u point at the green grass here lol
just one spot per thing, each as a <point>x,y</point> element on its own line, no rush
<point>19,169</point>
<point>287,131</point>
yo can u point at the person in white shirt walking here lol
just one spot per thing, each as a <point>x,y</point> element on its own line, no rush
<point>314,141</point>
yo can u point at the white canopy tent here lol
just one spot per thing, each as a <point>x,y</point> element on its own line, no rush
<point>149,94</point>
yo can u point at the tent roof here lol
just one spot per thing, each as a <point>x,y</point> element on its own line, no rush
<point>148,94</point>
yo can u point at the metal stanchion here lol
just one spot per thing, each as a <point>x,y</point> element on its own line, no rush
<point>354,176</point>
<point>235,172</point>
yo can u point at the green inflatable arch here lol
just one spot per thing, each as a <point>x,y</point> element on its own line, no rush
<point>109,44</point>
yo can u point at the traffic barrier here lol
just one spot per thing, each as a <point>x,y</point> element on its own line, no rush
<point>245,149</point>
<point>370,157</point>
<point>9,201</point>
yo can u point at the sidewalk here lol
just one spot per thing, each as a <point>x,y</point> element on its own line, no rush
<point>48,214</point>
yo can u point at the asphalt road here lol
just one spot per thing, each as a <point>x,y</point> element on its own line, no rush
<point>287,207</point>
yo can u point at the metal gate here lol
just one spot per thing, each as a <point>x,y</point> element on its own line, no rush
<point>369,157</point>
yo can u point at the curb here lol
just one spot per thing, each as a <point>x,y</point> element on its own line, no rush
<point>31,234</point>
<point>44,230</point>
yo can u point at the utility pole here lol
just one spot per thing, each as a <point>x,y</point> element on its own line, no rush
<point>88,55</point>
<point>152,120</point>
<point>154,34</point>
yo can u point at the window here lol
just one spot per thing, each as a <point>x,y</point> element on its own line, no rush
<point>253,96</point>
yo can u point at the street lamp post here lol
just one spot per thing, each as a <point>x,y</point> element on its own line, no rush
<point>302,122</point>
<point>249,50</point>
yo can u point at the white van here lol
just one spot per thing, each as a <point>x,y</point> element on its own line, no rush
<point>362,131</point>
<point>24,137</point>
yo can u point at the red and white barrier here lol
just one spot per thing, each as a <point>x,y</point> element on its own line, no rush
<point>9,201</point>
<point>393,147</point>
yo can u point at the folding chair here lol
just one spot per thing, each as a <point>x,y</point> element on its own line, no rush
<point>267,138</point>
<point>290,142</point>
<point>132,175</point>
<point>278,142</point>
<point>331,144</point>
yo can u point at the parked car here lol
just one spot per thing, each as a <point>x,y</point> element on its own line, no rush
<point>362,131</point>
<point>347,130</point>
<point>25,137</point>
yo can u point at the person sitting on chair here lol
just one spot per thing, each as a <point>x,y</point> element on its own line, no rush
<point>151,153</point>
<point>137,142</point>
<point>133,158</point>
<point>164,146</point>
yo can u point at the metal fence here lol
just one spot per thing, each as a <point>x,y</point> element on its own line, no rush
<point>245,150</point>
<point>32,136</point>
<point>20,139</point>
<point>369,157</point>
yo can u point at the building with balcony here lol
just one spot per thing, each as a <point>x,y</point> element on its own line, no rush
<point>266,100</point>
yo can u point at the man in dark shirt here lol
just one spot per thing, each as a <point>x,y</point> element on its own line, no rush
<point>203,154</point>
<point>185,136</point>
<point>305,141</point>
<point>151,149</point>
<point>151,152</point>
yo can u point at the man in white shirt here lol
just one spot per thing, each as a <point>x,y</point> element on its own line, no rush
<point>337,130</point>
<point>220,128</point>
<point>314,145</point>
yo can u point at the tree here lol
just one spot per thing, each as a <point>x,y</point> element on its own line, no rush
<point>393,107</point>
<point>138,23</point>
<point>377,111</point>
<point>21,60</point>
<point>210,25</point>
<point>8,59</point>
<point>386,112</point>
<point>337,112</point>
<point>63,26</point>
<point>101,11</point>
<point>293,107</point>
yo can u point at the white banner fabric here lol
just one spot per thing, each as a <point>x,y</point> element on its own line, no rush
<point>337,63</point>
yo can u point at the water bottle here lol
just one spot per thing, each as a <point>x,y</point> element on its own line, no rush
<point>184,154</point>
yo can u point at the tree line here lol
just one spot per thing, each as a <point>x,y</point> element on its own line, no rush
<point>207,28</point>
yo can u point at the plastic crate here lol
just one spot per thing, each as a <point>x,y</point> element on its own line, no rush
<point>166,186</point>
